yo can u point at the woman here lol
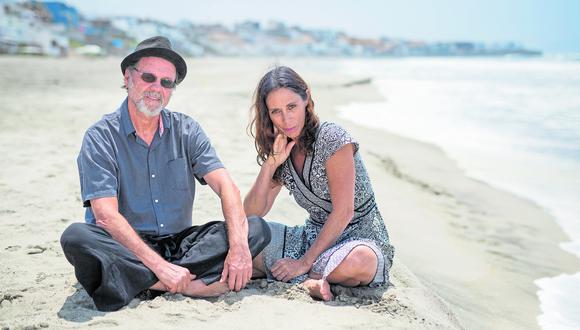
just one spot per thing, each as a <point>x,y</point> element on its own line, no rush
<point>344,240</point>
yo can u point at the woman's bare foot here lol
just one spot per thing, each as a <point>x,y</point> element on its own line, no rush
<point>197,288</point>
<point>319,289</point>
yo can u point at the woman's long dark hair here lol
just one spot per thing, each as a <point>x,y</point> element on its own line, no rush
<point>262,128</point>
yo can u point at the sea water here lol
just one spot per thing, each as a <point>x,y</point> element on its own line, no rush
<point>511,122</point>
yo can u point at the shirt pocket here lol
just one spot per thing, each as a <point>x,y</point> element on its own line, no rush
<point>178,172</point>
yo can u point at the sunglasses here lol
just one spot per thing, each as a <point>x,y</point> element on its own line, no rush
<point>150,78</point>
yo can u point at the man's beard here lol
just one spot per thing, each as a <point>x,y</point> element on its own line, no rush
<point>142,106</point>
<point>146,110</point>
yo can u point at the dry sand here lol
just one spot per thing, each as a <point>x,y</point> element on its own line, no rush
<point>467,254</point>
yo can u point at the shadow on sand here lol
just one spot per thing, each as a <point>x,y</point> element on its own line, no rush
<point>79,306</point>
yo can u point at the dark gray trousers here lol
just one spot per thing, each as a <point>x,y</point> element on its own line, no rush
<point>112,275</point>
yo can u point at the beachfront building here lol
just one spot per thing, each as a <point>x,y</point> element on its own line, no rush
<point>27,29</point>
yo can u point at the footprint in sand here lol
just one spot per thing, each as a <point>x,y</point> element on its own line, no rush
<point>104,323</point>
<point>13,248</point>
<point>7,299</point>
<point>36,249</point>
<point>33,326</point>
<point>41,277</point>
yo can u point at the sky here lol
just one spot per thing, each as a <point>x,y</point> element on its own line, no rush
<point>550,26</point>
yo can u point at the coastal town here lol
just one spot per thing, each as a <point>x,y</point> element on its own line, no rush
<point>57,29</point>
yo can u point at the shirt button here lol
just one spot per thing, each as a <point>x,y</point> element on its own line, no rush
<point>156,201</point>
<point>152,175</point>
<point>161,225</point>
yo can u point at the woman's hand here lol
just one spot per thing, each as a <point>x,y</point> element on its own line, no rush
<point>286,269</point>
<point>280,150</point>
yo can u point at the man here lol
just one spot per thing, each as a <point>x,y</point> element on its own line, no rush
<point>136,168</point>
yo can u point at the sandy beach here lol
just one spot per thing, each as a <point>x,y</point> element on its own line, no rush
<point>467,254</point>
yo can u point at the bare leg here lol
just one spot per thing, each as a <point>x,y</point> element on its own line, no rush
<point>258,270</point>
<point>158,286</point>
<point>197,288</point>
<point>358,268</point>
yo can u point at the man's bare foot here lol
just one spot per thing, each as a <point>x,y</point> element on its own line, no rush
<point>158,286</point>
<point>197,288</point>
<point>319,289</point>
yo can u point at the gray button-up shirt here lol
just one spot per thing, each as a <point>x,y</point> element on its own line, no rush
<point>153,184</point>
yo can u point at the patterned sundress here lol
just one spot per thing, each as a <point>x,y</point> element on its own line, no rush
<point>312,193</point>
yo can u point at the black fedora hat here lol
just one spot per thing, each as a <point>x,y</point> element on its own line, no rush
<point>157,47</point>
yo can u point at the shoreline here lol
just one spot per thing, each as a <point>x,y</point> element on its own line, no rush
<point>448,257</point>
<point>467,220</point>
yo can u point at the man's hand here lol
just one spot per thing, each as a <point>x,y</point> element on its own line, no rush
<point>286,269</point>
<point>175,278</point>
<point>238,264</point>
<point>237,267</point>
